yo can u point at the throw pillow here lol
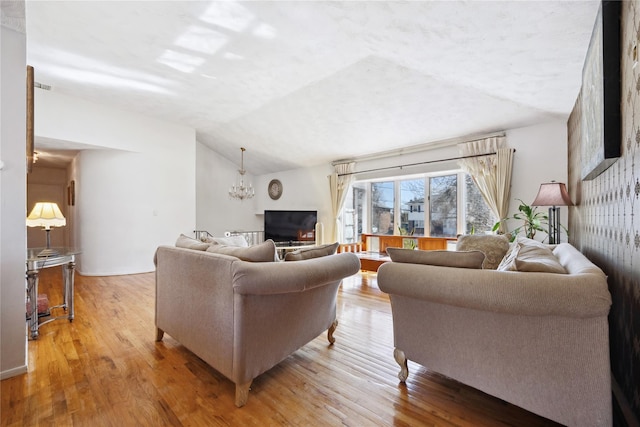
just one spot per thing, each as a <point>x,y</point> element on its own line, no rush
<point>263,252</point>
<point>532,256</point>
<point>315,252</point>
<point>493,246</point>
<point>238,240</point>
<point>463,259</point>
<point>508,263</point>
<point>191,243</point>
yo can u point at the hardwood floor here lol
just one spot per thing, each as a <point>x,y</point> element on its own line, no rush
<point>105,369</point>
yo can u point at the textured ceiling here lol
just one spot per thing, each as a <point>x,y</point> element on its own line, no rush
<point>305,83</point>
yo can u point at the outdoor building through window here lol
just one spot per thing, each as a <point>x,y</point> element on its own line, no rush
<point>427,205</point>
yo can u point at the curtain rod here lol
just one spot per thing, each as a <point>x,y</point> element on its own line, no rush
<point>421,163</point>
<point>420,148</point>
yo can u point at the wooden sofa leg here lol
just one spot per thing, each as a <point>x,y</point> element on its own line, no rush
<point>331,330</point>
<point>242,394</point>
<point>402,361</point>
<point>159,334</point>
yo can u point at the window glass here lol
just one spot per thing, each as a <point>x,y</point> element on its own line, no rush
<point>382,199</point>
<point>353,213</point>
<point>443,206</point>
<point>412,207</point>
<point>479,218</point>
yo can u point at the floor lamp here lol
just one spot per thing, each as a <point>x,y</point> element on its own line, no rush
<point>553,194</point>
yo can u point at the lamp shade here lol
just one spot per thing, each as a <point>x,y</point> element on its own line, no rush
<point>552,194</point>
<point>47,215</point>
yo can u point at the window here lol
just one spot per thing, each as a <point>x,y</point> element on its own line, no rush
<point>382,204</point>
<point>443,206</point>
<point>354,213</point>
<point>412,207</point>
<point>479,218</point>
<point>437,205</point>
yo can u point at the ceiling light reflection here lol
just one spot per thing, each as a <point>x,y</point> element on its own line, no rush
<point>180,61</point>
<point>201,39</point>
<point>59,58</point>
<point>73,74</point>
<point>233,56</point>
<point>228,14</point>
<point>265,31</point>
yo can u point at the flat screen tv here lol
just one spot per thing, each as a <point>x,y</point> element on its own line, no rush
<point>290,227</point>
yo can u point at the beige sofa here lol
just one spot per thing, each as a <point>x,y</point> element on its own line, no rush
<point>241,317</point>
<point>537,340</point>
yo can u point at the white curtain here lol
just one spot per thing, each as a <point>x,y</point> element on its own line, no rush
<point>492,173</point>
<point>339,182</point>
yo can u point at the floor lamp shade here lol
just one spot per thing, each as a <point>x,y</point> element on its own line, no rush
<point>46,215</point>
<point>553,194</point>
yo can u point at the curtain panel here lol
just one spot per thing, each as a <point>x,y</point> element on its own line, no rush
<point>339,185</point>
<point>490,173</point>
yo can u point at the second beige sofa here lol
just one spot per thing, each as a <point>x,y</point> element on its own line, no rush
<point>537,340</point>
<point>243,318</point>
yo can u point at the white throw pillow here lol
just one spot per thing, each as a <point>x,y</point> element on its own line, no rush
<point>238,240</point>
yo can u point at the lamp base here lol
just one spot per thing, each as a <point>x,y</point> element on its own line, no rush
<point>48,252</point>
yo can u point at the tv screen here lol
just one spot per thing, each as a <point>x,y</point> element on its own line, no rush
<point>291,227</point>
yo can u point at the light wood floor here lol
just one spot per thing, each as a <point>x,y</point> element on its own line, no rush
<point>105,369</point>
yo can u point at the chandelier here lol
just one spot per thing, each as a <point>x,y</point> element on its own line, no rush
<point>239,191</point>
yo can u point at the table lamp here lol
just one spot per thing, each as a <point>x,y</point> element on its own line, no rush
<point>47,215</point>
<point>553,194</point>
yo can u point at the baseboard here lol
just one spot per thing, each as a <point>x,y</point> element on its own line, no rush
<point>13,372</point>
<point>623,404</point>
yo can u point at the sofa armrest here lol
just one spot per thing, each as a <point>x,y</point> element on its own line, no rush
<point>524,293</point>
<point>292,276</point>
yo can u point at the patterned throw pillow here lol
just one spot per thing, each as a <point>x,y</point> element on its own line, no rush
<point>459,259</point>
<point>493,246</point>
<point>314,252</point>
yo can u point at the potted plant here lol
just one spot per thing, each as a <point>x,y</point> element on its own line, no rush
<point>532,222</point>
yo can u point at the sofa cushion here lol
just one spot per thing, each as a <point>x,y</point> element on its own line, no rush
<point>531,255</point>
<point>263,252</point>
<point>462,259</point>
<point>191,243</point>
<point>493,246</point>
<point>314,252</point>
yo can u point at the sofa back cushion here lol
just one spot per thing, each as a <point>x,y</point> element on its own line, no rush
<point>459,259</point>
<point>493,246</point>
<point>263,252</point>
<point>191,243</point>
<point>314,252</point>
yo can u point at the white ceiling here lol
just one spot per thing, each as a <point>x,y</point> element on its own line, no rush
<point>305,83</point>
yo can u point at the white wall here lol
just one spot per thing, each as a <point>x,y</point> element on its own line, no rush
<point>134,194</point>
<point>215,211</point>
<point>302,189</point>
<point>12,204</point>
<point>541,156</point>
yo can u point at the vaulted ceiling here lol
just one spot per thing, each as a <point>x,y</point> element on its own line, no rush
<point>302,83</point>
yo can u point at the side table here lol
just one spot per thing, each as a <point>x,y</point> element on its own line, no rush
<point>65,257</point>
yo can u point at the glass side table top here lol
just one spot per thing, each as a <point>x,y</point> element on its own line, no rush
<point>63,255</point>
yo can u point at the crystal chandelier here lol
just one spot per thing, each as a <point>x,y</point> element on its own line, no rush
<point>239,191</point>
